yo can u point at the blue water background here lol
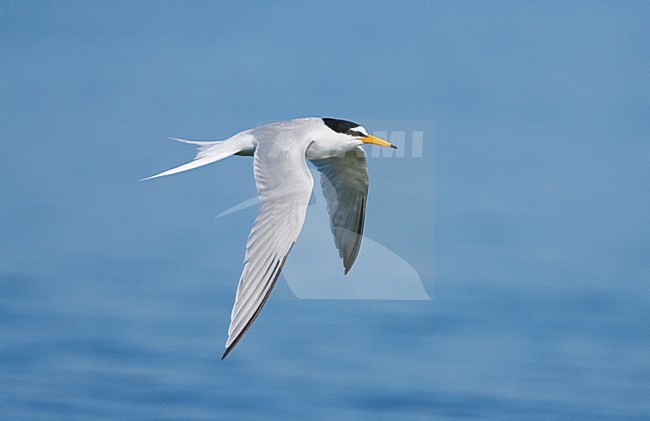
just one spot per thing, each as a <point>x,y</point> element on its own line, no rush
<point>115,295</point>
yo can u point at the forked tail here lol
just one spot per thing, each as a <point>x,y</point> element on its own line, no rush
<point>208,152</point>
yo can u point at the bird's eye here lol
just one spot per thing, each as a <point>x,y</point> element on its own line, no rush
<point>356,133</point>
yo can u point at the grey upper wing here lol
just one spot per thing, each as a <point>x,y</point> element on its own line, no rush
<point>284,184</point>
<point>344,181</point>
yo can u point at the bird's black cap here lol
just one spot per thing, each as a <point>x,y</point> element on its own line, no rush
<point>339,126</point>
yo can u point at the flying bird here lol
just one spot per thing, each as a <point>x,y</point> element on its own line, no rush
<point>284,184</point>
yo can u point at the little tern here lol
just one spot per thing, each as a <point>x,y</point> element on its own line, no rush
<point>284,184</point>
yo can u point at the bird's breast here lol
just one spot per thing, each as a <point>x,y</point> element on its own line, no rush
<point>321,150</point>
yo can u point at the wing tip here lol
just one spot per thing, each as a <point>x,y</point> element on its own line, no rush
<point>278,268</point>
<point>348,261</point>
<point>226,352</point>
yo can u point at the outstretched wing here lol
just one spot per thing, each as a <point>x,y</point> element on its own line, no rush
<point>344,181</point>
<point>284,184</point>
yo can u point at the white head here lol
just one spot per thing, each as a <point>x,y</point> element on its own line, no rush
<point>353,133</point>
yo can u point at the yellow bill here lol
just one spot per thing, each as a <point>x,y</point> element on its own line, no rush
<point>377,141</point>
